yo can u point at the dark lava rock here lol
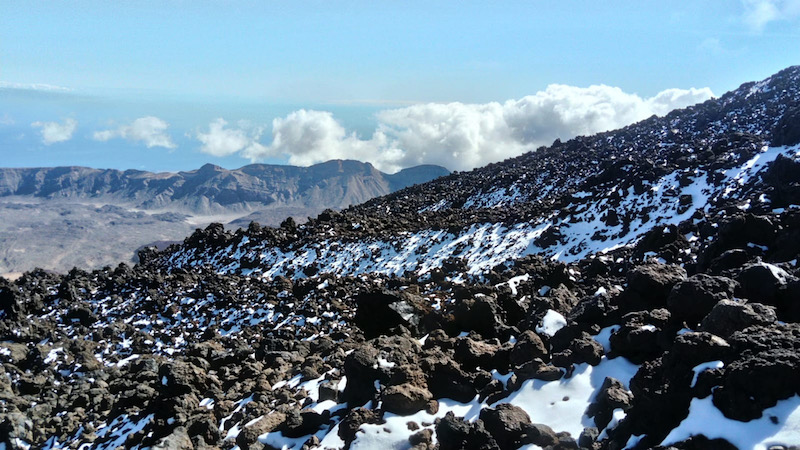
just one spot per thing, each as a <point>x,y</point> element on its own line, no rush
<point>729,316</point>
<point>541,435</point>
<point>506,423</point>
<point>81,314</point>
<point>766,369</point>
<point>421,440</point>
<point>528,346</point>
<point>405,399</point>
<point>301,423</point>
<point>649,285</point>
<point>663,384</point>
<point>612,395</point>
<point>180,377</point>
<point>249,434</point>
<point>483,315</point>
<point>471,354</point>
<point>783,175</point>
<point>454,433</point>
<point>359,367</point>
<point>763,282</point>
<point>582,349</point>
<point>692,299</point>
<point>787,130</point>
<point>446,379</point>
<point>378,312</point>
<point>353,420</point>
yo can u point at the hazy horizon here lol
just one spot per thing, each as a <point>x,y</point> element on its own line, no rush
<point>171,86</point>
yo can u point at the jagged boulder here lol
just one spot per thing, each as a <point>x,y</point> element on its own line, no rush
<point>248,436</point>
<point>766,369</point>
<point>446,379</point>
<point>506,423</point>
<point>483,315</point>
<point>353,420</point>
<point>612,395</point>
<point>454,433</point>
<point>528,346</point>
<point>379,311</point>
<point>360,368</point>
<point>649,285</point>
<point>406,398</point>
<point>728,316</point>
<point>692,299</point>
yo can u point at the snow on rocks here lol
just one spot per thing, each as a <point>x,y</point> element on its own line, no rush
<point>620,290</point>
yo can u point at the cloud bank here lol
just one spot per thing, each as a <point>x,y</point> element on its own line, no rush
<point>53,132</point>
<point>759,13</point>
<point>458,136</point>
<point>149,130</point>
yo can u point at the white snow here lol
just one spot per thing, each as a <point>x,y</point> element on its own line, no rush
<point>551,323</point>
<point>562,404</point>
<point>702,367</point>
<point>514,282</point>
<point>759,434</point>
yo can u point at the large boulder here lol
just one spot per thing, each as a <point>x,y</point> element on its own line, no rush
<point>248,436</point>
<point>649,285</point>
<point>763,282</point>
<point>692,299</point>
<point>454,433</point>
<point>348,427</point>
<point>405,399</point>
<point>483,315</point>
<point>380,311</point>
<point>471,353</point>
<point>446,379</point>
<point>362,371</point>
<point>506,423</point>
<point>766,369</point>
<point>528,346</point>
<point>729,316</point>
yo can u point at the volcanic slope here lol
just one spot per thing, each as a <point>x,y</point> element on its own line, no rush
<point>633,289</point>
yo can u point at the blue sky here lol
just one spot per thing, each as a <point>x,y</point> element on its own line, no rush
<point>170,85</point>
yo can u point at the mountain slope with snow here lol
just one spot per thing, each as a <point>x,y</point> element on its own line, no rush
<point>633,289</point>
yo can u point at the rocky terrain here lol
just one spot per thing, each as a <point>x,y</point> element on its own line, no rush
<point>633,289</point>
<point>62,217</point>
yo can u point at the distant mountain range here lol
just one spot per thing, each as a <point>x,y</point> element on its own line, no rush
<point>102,216</point>
<point>212,189</point>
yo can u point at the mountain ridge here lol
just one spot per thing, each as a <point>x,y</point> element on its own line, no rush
<point>276,185</point>
<point>58,218</point>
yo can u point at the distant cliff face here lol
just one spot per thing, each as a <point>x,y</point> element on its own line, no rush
<point>60,217</point>
<point>214,190</point>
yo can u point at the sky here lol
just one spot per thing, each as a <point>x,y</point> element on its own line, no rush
<point>172,85</point>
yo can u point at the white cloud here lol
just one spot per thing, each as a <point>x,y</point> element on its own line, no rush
<point>150,130</point>
<point>759,13</point>
<point>223,141</point>
<point>53,132</point>
<point>33,87</point>
<point>6,119</point>
<point>461,136</point>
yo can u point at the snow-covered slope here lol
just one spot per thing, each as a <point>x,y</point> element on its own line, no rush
<point>633,289</point>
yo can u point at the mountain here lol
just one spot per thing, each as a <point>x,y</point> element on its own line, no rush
<point>212,189</point>
<point>61,217</point>
<point>633,289</point>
